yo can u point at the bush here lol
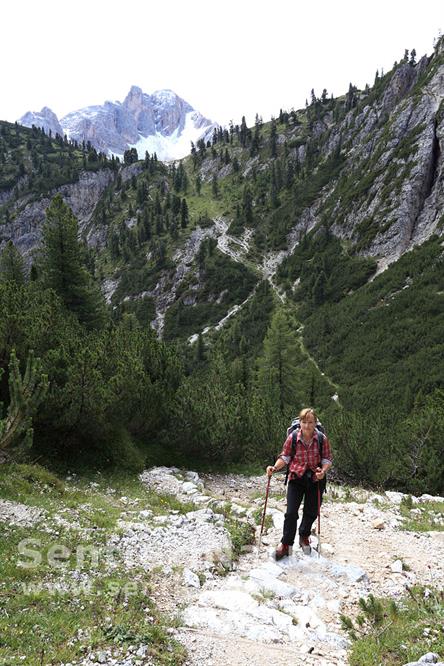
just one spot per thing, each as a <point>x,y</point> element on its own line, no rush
<point>369,449</point>
<point>121,452</point>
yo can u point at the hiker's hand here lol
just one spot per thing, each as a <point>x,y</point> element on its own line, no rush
<point>319,473</point>
<point>270,470</point>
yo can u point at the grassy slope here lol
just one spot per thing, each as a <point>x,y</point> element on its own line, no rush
<point>115,611</point>
<point>384,342</point>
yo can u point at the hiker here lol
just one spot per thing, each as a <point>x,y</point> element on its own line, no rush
<point>306,471</point>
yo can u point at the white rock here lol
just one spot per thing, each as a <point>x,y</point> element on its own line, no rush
<point>161,520</point>
<point>145,513</point>
<point>306,616</point>
<point>189,488</point>
<point>288,606</point>
<point>429,658</point>
<point>394,497</point>
<point>327,548</point>
<point>396,566</point>
<point>259,580</point>
<point>233,600</point>
<point>277,518</point>
<point>334,605</point>
<point>238,510</point>
<point>430,498</point>
<point>272,568</point>
<point>190,578</point>
<point>193,476</point>
<point>274,617</point>
<point>378,524</point>
<point>206,515</point>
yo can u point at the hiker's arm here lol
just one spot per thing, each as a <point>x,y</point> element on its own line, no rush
<point>322,471</point>
<point>278,465</point>
<point>326,461</point>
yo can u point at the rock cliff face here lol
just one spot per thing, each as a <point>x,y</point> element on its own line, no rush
<point>45,119</point>
<point>390,193</point>
<point>82,197</point>
<point>401,161</point>
<point>114,126</point>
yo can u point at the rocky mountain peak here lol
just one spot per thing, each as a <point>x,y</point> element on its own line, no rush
<point>134,98</point>
<point>170,111</point>
<point>161,122</point>
<point>46,119</point>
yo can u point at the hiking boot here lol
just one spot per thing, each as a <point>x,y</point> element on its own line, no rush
<point>304,543</point>
<point>282,551</point>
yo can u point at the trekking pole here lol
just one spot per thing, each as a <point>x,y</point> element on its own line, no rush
<point>319,520</point>
<point>263,514</point>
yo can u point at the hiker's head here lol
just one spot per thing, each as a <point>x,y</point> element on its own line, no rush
<point>308,420</point>
<point>308,414</point>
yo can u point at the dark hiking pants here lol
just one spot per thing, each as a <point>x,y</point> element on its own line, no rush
<point>301,489</point>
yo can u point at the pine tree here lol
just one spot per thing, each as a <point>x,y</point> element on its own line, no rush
<point>273,139</point>
<point>247,205</point>
<point>12,267</point>
<point>26,393</point>
<point>318,294</point>
<point>243,133</point>
<point>200,353</point>
<point>184,219</point>
<point>63,265</point>
<point>215,187</point>
<point>277,376</point>
<point>273,191</point>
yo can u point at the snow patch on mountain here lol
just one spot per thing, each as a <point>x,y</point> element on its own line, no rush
<point>161,123</point>
<point>174,146</point>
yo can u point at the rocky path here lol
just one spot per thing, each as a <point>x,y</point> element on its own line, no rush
<point>265,612</point>
<point>256,611</point>
<point>234,247</point>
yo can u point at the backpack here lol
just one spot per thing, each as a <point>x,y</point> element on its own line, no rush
<point>293,429</point>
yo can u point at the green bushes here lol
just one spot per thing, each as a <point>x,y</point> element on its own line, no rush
<point>326,272</point>
<point>370,450</point>
<point>387,633</point>
<point>104,386</point>
<point>222,284</point>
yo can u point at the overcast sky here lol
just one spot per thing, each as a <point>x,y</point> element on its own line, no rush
<point>227,59</point>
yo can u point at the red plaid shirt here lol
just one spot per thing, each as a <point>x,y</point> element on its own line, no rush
<point>306,456</point>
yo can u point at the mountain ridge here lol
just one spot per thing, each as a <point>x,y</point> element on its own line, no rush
<point>279,231</point>
<point>162,120</point>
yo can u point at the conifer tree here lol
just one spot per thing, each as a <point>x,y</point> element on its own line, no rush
<point>247,205</point>
<point>63,265</point>
<point>184,219</point>
<point>277,376</point>
<point>318,293</point>
<point>215,187</point>
<point>26,393</point>
<point>243,132</point>
<point>273,139</point>
<point>12,268</point>
<point>200,353</point>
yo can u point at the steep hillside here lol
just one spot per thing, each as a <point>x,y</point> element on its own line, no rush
<point>260,258</point>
